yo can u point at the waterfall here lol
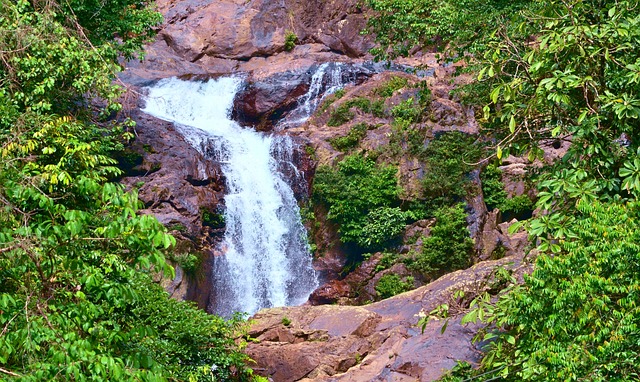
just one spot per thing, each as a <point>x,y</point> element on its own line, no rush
<point>327,78</point>
<point>266,260</point>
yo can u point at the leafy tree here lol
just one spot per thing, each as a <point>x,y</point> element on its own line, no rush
<point>464,26</point>
<point>563,71</point>
<point>577,316</point>
<point>77,301</point>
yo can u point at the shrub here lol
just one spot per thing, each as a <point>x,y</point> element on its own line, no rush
<point>343,114</point>
<point>290,40</point>
<point>448,159</point>
<point>387,89</point>
<point>492,186</point>
<point>340,115</point>
<point>330,99</point>
<point>382,226</point>
<point>449,246</point>
<point>407,110</point>
<point>519,207</point>
<point>212,219</point>
<point>495,196</point>
<point>391,284</point>
<point>351,191</point>
<point>352,139</point>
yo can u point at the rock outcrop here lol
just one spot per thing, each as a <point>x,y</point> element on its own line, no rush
<point>177,185</point>
<point>238,36</point>
<point>376,342</point>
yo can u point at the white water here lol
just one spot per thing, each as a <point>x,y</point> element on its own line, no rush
<point>326,80</point>
<point>267,261</point>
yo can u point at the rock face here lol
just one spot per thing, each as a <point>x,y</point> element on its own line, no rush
<point>240,29</point>
<point>376,342</point>
<point>240,36</point>
<point>177,185</point>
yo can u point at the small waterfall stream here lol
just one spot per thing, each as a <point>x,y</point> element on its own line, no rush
<point>328,78</point>
<point>267,261</point>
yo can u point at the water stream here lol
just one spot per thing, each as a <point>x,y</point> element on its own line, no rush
<point>267,261</point>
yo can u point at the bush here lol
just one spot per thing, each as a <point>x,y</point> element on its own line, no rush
<point>391,284</point>
<point>387,89</point>
<point>212,219</point>
<point>449,246</point>
<point>343,114</point>
<point>352,139</point>
<point>448,159</point>
<point>340,115</point>
<point>383,225</point>
<point>519,207</point>
<point>290,40</point>
<point>492,186</point>
<point>495,196</point>
<point>352,191</point>
<point>407,110</point>
<point>330,99</point>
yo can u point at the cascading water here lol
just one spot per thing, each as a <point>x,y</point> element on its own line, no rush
<point>267,260</point>
<point>328,78</point>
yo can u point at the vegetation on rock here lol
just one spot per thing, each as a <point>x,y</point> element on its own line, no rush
<point>549,72</point>
<point>363,200</point>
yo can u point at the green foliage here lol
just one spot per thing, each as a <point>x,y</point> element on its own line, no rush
<point>407,110</point>
<point>383,225</point>
<point>352,139</point>
<point>330,99</point>
<point>449,246</point>
<point>212,219</point>
<point>555,71</point>
<point>517,206</point>
<point>492,186</point>
<point>76,298</point>
<point>290,40</point>
<point>580,81</point>
<point>189,262</point>
<point>286,321</point>
<point>391,284</point>
<point>360,196</point>
<point>448,159</point>
<point>394,84</point>
<point>343,114</point>
<point>496,197</point>
<point>401,25</point>
<point>577,316</point>
<point>340,115</point>
<point>386,261</point>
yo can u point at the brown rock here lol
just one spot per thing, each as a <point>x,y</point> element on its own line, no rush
<point>375,342</point>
